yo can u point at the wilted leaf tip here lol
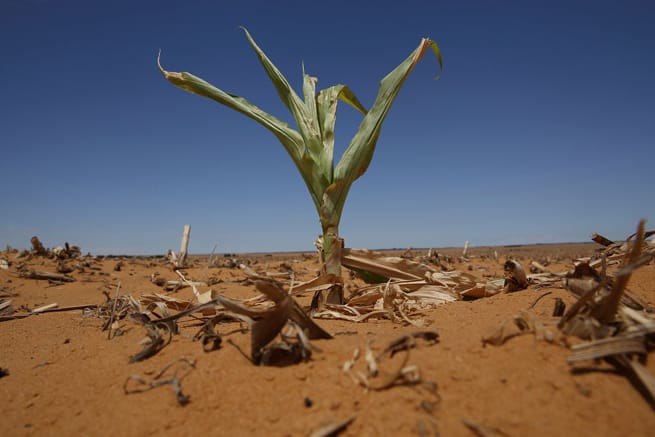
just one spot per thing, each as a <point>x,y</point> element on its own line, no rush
<point>175,78</point>
<point>245,31</point>
<point>159,63</point>
<point>437,52</point>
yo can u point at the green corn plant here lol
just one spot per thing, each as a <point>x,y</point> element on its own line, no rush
<point>311,146</point>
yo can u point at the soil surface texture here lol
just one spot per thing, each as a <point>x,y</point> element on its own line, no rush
<point>62,374</point>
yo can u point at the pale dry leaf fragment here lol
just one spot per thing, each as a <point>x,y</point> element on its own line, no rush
<point>411,374</point>
<point>638,317</point>
<point>453,280</point>
<point>156,341</point>
<point>515,277</point>
<point>180,262</point>
<point>606,347</point>
<point>249,271</point>
<point>365,296</point>
<point>274,291</point>
<point>333,314</point>
<point>487,289</point>
<point>479,430</point>
<point>349,364</point>
<point>432,295</point>
<point>385,267</point>
<point>267,326</point>
<point>44,308</point>
<point>371,363</point>
<point>193,284</point>
<point>606,311</point>
<point>362,379</point>
<point>332,428</point>
<point>6,307</point>
<point>538,267</point>
<point>171,302</point>
<point>583,279</point>
<point>48,276</point>
<point>320,283</point>
<point>646,378</point>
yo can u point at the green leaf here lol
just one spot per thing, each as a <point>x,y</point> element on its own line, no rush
<point>358,155</point>
<point>304,113</point>
<point>326,103</point>
<point>290,139</point>
<point>312,146</point>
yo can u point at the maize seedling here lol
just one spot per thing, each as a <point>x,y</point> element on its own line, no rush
<point>311,146</point>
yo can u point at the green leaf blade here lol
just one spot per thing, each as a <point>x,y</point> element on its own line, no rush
<point>358,155</point>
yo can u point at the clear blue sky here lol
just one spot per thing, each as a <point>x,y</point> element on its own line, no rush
<point>541,128</point>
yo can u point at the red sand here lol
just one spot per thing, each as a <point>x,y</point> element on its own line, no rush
<point>66,377</point>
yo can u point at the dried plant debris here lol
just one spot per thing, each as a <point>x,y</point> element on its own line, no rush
<point>376,267</point>
<point>624,344</point>
<point>179,368</point>
<point>66,252</point>
<point>6,307</point>
<point>7,292</point>
<point>480,430</point>
<point>49,308</point>
<point>412,276</point>
<point>389,302</point>
<point>600,239</point>
<point>56,278</point>
<point>158,336</point>
<point>332,428</point>
<point>153,316</point>
<point>208,336</point>
<point>398,299</point>
<point>515,277</point>
<point>407,342</point>
<point>391,366</point>
<point>616,329</point>
<point>596,313</point>
<point>584,278</point>
<point>266,322</point>
<point>614,322</point>
<point>559,307</point>
<point>37,247</point>
<point>117,308</point>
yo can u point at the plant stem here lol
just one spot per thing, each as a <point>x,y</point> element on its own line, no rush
<point>332,246</point>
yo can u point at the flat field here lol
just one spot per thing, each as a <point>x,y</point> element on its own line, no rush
<point>63,375</point>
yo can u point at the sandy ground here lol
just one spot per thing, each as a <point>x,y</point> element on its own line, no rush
<point>65,377</point>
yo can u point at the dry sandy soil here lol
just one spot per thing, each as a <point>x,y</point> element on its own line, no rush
<point>64,376</point>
